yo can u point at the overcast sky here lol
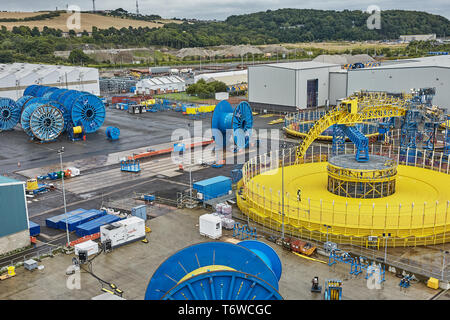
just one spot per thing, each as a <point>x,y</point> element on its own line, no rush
<point>220,9</point>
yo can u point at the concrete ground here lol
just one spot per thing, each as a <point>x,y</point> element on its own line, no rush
<point>102,184</point>
<point>130,267</point>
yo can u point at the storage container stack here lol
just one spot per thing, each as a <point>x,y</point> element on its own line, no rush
<point>224,211</point>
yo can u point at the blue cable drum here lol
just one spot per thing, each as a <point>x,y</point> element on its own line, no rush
<point>55,94</point>
<point>113,133</point>
<point>70,99</point>
<point>239,120</point>
<point>46,122</point>
<point>41,91</point>
<point>29,107</point>
<point>266,253</point>
<point>221,265</point>
<point>65,112</point>
<point>221,285</point>
<point>90,111</point>
<point>9,113</point>
<point>47,93</point>
<point>31,90</point>
<point>22,101</point>
<point>63,96</point>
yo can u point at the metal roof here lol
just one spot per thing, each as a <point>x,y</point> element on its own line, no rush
<point>8,181</point>
<point>434,61</point>
<point>302,65</point>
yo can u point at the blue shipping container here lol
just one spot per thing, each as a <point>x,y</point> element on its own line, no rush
<point>93,226</point>
<point>35,229</point>
<point>53,221</point>
<point>213,187</point>
<point>76,220</point>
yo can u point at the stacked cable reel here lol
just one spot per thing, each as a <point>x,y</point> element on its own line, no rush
<point>49,111</point>
<point>249,270</point>
<point>232,124</point>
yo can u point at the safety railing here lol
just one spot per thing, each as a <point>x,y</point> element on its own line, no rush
<point>407,222</point>
<point>36,255</point>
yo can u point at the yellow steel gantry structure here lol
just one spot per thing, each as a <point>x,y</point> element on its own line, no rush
<point>357,108</point>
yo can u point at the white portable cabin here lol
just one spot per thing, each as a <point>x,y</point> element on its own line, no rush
<point>210,226</point>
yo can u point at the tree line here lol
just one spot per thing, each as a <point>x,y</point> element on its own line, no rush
<point>270,27</point>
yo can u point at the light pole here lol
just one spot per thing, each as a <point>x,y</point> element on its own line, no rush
<point>385,245</point>
<point>443,263</point>
<point>327,230</point>
<point>60,152</point>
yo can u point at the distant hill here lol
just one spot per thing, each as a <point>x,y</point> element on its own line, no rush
<point>88,20</point>
<point>304,25</point>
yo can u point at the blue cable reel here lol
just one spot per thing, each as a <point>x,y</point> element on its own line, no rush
<point>112,133</point>
<point>90,111</point>
<point>65,113</point>
<point>239,120</point>
<point>29,107</point>
<point>217,271</point>
<point>43,90</point>
<point>47,122</point>
<point>31,90</point>
<point>22,101</point>
<point>56,94</point>
<point>49,92</point>
<point>9,113</point>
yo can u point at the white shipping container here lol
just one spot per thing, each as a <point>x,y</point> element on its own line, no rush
<point>90,246</point>
<point>123,231</point>
<point>210,226</point>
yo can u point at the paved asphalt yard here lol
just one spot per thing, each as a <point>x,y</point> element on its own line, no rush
<point>101,183</point>
<point>130,267</point>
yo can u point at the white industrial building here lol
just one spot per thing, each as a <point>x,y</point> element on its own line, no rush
<point>287,86</point>
<point>16,77</point>
<point>160,85</point>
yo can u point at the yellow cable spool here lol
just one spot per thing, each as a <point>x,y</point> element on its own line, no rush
<point>77,129</point>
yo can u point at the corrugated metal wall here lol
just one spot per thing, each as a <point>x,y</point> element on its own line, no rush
<point>403,79</point>
<point>13,212</point>
<point>272,85</point>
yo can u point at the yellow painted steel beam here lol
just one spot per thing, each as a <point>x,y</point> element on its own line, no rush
<point>348,114</point>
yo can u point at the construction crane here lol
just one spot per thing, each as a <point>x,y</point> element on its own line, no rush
<point>360,107</point>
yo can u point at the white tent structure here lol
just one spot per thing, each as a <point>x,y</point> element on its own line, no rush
<point>16,77</point>
<point>160,85</point>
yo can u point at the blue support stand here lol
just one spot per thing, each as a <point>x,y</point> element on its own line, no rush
<point>360,141</point>
<point>338,145</point>
<point>243,231</point>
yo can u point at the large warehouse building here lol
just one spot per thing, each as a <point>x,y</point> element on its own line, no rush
<point>16,77</point>
<point>287,86</point>
<point>14,229</point>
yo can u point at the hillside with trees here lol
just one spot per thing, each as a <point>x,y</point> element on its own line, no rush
<point>31,44</point>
